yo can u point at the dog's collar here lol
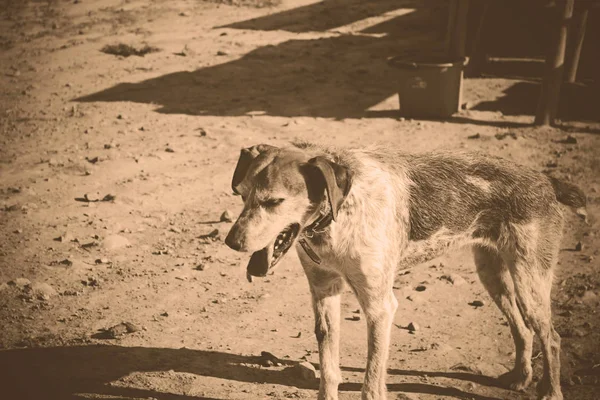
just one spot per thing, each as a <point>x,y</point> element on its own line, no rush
<point>316,228</point>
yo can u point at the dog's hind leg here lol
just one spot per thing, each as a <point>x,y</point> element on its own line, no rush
<point>326,287</point>
<point>532,275</point>
<point>374,292</point>
<point>496,278</point>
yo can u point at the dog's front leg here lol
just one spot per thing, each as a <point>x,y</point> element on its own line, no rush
<point>379,305</point>
<point>326,288</point>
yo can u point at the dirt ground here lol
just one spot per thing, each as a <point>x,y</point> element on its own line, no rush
<point>115,171</point>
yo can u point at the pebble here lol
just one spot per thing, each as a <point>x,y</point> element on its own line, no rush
<point>454,279</point>
<point>226,216</point>
<point>268,359</point>
<point>579,246</point>
<point>420,288</point>
<point>20,282</point>
<point>477,303</point>
<point>306,371</point>
<point>221,53</point>
<point>354,318</point>
<point>115,242</point>
<point>413,327</point>
<point>65,237</point>
<point>43,290</point>
<point>169,150</point>
<point>202,267</point>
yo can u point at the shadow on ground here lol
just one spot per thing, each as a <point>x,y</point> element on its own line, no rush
<point>341,76</point>
<point>577,103</point>
<point>335,76</point>
<point>83,371</point>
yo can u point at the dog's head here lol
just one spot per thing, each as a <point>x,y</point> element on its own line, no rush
<point>283,190</point>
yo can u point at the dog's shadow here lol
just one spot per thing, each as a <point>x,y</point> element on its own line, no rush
<point>80,371</point>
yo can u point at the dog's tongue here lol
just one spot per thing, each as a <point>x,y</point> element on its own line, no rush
<point>259,263</point>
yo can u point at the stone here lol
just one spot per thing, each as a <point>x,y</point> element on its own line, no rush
<point>20,282</point>
<point>413,327</point>
<point>306,371</point>
<point>226,216</point>
<point>115,242</point>
<point>477,303</point>
<point>454,279</point>
<point>43,290</point>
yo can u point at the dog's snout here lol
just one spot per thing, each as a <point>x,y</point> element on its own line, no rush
<point>233,240</point>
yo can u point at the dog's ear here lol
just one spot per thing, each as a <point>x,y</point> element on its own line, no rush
<point>247,155</point>
<point>336,178</point>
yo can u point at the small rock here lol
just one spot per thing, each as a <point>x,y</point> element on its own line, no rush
<point>20,282</point>
<point>65,237</point>
<point>421,288</point>
<point>306,371</point>
<point>211,235</point>
<point>115,242</point>
<point>121,329</point>
<point>102,261</point>
<point>551,164</point>
<point>184,14</point>
<point>131,327</point>
<point>475,136</point>
<point>169,150</point>
<point>477,303</point>
<point>43,291</point>
<point>202,267</point>
<point>502,135</point>
<point>413,327</point>
<point>265,296</point>
<point>454,279</point>
<point>268,359</point>
<point>120,116</point>
<point>201,132</point>
<point>55,25</point>
<point>589,298</point>
<point>354,318</point>
<point>226,216</point>
<point>221,53</point>
<point>18,231</point>
<point>570,140</point>
<point>466,106</point>
<point>108,146</point>
<point>579,246</point>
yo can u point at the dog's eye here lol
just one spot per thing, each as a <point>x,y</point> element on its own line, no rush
<point>271,202</point>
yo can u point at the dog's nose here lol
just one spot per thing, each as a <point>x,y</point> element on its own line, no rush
<point>233,241</point>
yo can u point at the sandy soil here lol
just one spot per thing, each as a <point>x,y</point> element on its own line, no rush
<point>115,170</point>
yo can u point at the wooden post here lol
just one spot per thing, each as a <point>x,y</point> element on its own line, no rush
<point>477,54</point>
<point>550,93</point>
<point>452,11</point>
<point>458,46</point>
<point>576,35</point>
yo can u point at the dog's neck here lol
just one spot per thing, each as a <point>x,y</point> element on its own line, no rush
<point>316,228</point>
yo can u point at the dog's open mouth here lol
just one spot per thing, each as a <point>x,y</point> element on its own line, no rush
<point>263,260</point>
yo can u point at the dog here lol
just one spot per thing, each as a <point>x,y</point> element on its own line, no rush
<point>355,215</point>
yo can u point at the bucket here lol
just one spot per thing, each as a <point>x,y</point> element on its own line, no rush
<point>429,87</point>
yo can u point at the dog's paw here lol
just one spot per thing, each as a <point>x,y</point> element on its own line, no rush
<point>516,379</point>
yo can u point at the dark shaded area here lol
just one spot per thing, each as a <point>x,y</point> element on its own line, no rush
<point>577,101</point>
<point>71,372</point>
<point>291,78</point>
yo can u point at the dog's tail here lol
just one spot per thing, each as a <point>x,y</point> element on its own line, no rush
<point>570,195</point>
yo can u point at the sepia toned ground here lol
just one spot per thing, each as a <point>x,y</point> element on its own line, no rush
<point>114,173</point>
